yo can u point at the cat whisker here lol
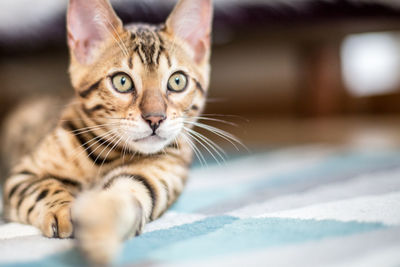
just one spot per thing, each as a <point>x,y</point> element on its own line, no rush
<point>221,133</point>
<point>209,142</point>
<point>100,138</point>
<point>199,141</point>
<point>96,118</point>
<point>133,155</point>
<point>176,142</point>
<point>112,149</point>
<point>227,116</point>
<point>196,151</point>
<point>109,139</point>
<point>96,124</point>
<point>110,143</point>
<point>213,119</point>
<point>126,148</point>
<point>91,128</point>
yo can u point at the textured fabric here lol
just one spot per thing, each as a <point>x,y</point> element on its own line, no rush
<point>308,206</point>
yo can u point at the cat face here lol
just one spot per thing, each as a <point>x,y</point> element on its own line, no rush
<point>142,83</point>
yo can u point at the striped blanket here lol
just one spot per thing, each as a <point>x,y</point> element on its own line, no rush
<point>304,206</point>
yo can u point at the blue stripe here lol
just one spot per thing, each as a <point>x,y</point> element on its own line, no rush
<point>217,236</point>
<point>343,165</point>
<point>224,235</point>
<point>65,259</point>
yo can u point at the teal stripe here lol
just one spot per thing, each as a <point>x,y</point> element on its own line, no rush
<point>217,236</point>
<point>65,259</point>
<point>233,236</point>
<point>145,246</point>
<point>343,165</point>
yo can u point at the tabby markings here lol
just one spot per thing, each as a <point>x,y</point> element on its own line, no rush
<point>44,193</point>
<point>88,91</point>
<point>139,178</point>
<point>89,111</point>
<point>199,86</point>
<point>149,47</point>
<point>86,146</point>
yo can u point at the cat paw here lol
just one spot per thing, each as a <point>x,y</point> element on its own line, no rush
<point>57,223</point>
<point>100,224</point>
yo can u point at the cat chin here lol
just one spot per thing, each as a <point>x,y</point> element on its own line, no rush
<point>150,145</point>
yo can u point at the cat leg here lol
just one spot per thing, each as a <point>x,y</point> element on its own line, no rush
<point>129,197</point>
<point>103,219</point>
<point>41,201</point>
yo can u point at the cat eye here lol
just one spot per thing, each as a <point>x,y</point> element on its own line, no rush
<point>177,82</point>
<point>122,83</point>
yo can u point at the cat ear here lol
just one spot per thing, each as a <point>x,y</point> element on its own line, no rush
<point>191,21</point>
<point>90,22</point>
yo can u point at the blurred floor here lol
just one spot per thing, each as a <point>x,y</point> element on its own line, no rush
<point>368,132</point>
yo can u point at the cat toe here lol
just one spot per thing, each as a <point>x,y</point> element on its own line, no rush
<point>57,224</point>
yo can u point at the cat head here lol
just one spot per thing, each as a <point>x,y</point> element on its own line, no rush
<point>142,82</point>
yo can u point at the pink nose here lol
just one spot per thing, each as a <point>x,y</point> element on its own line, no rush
<point>154,120</point>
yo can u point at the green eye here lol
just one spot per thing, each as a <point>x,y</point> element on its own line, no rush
<point>177,82</point>
<point>122,83</point>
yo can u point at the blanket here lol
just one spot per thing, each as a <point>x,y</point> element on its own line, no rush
<point>302,206</point>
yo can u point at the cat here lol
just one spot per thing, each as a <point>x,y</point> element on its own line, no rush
<point>120,152</point>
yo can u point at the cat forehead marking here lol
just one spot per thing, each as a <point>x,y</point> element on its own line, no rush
<point>148,44</point>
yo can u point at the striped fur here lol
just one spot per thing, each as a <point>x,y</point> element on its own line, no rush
<point>102,173</point>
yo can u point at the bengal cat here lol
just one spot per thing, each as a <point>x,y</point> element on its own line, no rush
<point>119,154</point>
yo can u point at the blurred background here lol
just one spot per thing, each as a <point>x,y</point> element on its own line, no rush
<point>287,72</point>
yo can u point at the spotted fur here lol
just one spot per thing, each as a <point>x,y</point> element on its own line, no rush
<point>102,172</point>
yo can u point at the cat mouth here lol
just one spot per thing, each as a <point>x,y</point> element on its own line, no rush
<point>151,138</point>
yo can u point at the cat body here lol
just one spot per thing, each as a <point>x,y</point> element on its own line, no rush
<point>120,153</point>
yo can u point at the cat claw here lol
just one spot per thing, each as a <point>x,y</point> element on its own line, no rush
<point>57,224</point>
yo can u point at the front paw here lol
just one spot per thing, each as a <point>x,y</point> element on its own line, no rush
<point>102,220</point>
<point>56,222</point>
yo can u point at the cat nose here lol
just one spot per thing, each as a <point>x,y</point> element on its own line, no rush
<point>154,120</point>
